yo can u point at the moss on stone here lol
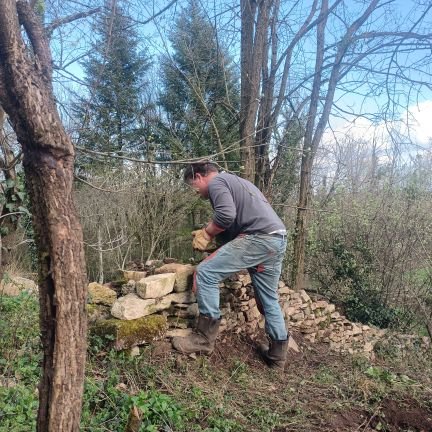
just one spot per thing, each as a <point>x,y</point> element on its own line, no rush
<point>130,333</point>
<point>97,312</point>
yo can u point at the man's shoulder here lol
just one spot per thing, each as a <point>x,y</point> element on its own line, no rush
<point>222,178</point>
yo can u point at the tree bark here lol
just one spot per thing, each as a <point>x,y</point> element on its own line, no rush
<point>254,25</point>
<point>26,95</point>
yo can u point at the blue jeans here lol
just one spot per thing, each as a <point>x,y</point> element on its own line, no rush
<point>262,255</point>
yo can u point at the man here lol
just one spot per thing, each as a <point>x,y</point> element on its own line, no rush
<point>257,243</point>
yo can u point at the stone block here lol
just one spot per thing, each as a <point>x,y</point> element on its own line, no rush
<point>127,334</point>
<point>330,308</point>
<point>134,275</point>
<point>183,275</point>
<point>284,290</point>
<point>132,307</point>
<point>155,286</point>
<point>100,294</point>
<point>304,296</point>
<point>298,316</point>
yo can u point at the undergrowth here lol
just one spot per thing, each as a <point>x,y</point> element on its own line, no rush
<point>232,391</point>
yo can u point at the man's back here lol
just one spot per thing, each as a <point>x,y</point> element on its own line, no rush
<point>240,207</point>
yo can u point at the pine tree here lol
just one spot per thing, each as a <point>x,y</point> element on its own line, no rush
<point>200,93</point>
<point>110,117</point>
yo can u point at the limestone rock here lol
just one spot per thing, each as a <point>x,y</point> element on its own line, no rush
<point>252,314</point>
<point>155,286</point>
<point>132,307</point>
<point>134,275</point>
<point>184,275</point>
<point>14,285</point>
<point>284,290</point>
<point>127,334</point>
<point>101,294</point>
<point>305,296</point>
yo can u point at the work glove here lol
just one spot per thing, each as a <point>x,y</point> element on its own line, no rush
<point>201,240</point>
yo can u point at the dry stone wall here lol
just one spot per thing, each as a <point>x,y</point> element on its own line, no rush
<point>167,294</point>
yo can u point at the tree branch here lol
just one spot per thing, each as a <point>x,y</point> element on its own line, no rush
<point>157,13</point>
<point>36,34</point>
<point>49,29</point>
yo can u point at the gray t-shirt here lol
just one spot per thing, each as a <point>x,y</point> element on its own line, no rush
<point>240,207</point>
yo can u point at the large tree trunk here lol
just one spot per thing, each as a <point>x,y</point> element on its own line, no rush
<point>26,95</point>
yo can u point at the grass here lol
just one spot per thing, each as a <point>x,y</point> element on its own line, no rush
<point>232,391</point>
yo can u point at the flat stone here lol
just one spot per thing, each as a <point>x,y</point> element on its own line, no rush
<point>304,296</point>
<point>330,308</point>
<point>134,351</point>
<point>284,290</point>
<point>183,297</point>
<point>100,294</point>
<point>298,316</point>
<point>245,279</point>
<point>127,334</point>
<point>155,286</point>
<point>234,285</point>
<point>184,275</point>
<point>134,275</point>
<point>162,304</point>
<point>252,314</point>
<point>132,307</point>
<point>368,347</point>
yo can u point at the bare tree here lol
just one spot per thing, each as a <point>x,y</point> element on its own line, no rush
<point>27,97</point>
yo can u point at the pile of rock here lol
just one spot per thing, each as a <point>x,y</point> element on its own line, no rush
<point>163,304</point>
<point>150,307</point>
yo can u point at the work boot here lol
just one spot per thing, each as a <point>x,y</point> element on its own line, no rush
<point>202,340</point>
<point>274,354</point>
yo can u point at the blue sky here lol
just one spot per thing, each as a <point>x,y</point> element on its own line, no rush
<point>155,36</point>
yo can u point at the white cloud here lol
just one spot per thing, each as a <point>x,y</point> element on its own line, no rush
<point>415,126</point>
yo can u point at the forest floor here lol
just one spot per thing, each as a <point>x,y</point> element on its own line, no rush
<point>232,390</point>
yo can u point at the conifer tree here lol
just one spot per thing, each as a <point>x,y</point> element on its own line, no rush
<point>200,94</point>
<point>110,116</point>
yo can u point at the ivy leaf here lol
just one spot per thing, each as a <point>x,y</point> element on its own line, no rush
<point>10,183</point>
<point>24,210</point>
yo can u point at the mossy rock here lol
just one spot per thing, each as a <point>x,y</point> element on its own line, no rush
<point>130,333</point>
<point>97,312</point>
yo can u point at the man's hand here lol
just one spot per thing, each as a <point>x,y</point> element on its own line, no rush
<point>201,240</point>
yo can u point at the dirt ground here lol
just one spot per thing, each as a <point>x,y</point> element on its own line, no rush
<point>318,390</point>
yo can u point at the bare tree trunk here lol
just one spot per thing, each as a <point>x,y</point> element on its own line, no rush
<point>254,24</point>
<point>100,253</point>
<point>26,95</point>
<point>307,160</point>
<point>313,137</point>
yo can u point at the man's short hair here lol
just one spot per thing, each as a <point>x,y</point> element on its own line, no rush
<point>200,167</point>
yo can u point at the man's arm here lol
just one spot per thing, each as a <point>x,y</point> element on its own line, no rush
<point>223,205</point>
<point>213,230</point>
